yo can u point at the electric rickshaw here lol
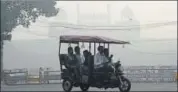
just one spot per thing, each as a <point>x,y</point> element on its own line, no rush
<point>89,76</point>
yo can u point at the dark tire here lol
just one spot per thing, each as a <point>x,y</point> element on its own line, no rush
<point>84,87</point>
<point>126,86</point>
<point>67,85</point>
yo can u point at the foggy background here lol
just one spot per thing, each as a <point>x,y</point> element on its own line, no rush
<point>38,46</point>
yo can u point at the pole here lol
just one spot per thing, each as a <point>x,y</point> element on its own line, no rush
<point>90,46</point>
<point>94,48</point>
<point>108,49</point>
<point>59,55</point>
<point>2,74</point>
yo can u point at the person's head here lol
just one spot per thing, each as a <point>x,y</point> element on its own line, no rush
<point>70,50</point>
<point>85,53</point>
<point>100,49</point>
<point>41,68</point>
<point>106,52</point>
<point>77,50</point>
<point>89,53</point>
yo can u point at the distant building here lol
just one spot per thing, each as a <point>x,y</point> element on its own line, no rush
<point>127,21</point>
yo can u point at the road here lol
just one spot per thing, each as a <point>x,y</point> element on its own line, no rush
<point>58,87</point>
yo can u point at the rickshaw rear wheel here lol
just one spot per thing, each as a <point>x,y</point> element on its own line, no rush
<point>84,87</point>
<point>67,85</point>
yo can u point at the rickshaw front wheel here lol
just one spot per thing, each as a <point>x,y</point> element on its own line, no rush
<point>125,86</point>
<point>84,87</point>
<point>67,85</point>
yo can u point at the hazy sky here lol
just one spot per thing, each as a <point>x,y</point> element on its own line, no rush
<point>144,12</point>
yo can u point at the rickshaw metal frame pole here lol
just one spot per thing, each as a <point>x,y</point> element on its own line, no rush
<point>94,48</point>
<point>59,55</point>
<point>108,49</point>
<point>90,46</point>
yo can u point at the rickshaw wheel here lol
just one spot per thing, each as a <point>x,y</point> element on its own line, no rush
<point>84,87</point>
<point>126,86</point>
<point>67,85</point>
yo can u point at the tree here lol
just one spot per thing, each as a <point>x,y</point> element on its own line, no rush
<point>23,12</point>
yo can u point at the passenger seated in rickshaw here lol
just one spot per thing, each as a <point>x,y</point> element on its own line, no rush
<point>78,55</point>
<point>86,55</point>
<point>72,62</point>
<point>79,58</point>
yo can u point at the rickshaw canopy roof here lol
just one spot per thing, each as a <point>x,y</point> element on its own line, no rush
<point>92,39</point>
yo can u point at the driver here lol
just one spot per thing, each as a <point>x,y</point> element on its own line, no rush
<point>106,53</point>
<point>100,59</point>
<point>109,67</point>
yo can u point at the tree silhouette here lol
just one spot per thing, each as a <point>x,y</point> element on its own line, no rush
<point>23,12</point>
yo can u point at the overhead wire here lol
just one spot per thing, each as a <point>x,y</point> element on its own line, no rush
<point>154,41</point>
<point>142,52</point>
<point>131,44</point>
<point>157,40</point>
<point>120,29</point>
<point>137,41</point>
<point>42,35</point>
<point>154,52</point>
<point>74,26</point>
<point>151,53</point>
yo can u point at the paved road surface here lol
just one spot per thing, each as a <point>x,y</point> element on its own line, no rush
<point>58,87</point>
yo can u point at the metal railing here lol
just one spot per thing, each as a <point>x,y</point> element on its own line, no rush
<point>151,75</point>
<point>49,76</point>
<point>15,76</point>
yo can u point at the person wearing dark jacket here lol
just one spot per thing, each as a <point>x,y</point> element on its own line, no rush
<point>86,55</point>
